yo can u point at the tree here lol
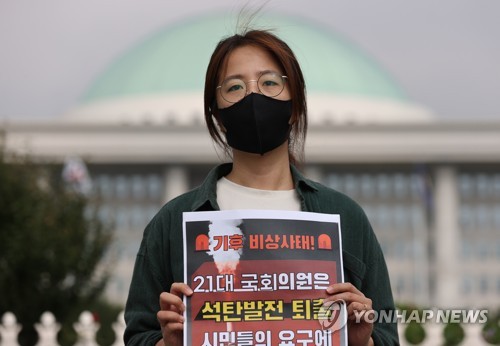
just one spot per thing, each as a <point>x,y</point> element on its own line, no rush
<point>51,246</point>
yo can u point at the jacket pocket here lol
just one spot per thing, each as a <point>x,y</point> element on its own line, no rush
<point>354,269</point>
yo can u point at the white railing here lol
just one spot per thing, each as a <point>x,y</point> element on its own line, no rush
<point>86,329</point>
<point>435,336</point>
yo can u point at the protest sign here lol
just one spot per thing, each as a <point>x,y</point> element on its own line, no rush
<point>259,278</point>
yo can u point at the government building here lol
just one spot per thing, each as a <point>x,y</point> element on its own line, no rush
<point>431,188</point>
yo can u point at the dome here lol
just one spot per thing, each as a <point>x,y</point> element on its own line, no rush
<point>162,78</point>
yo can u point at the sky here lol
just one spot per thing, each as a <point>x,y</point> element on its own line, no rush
<point>445,54</point>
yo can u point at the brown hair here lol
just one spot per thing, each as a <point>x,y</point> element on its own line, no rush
<point>284,56</point>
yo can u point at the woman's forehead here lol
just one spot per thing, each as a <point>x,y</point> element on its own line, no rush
<point>248,59</point>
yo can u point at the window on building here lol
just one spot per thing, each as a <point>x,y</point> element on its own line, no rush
<point>138,187</point>
<point>137,217</point>
<point>383,186</point>
<point>400,251</point>
<point>399,216</point>
<point>483,186</point>
<point>384,216</point>
<point>496,217</point>
<point>105,187</point>
<point>155,187</point>
<point>484,216</point>
<point>496,186</point>
<point>482,249</point>
<point>367,186</point>
<point>351,185</point>
<point>121,187</point>
<point>416,186</point>
<point>105,215</point>
<point>400,186</point>
<point>466,285</point>
<point>417,218</point>
<point>122,218</point>
<point>483,284</point>
<point>466,216</point>
<point>466,186</point>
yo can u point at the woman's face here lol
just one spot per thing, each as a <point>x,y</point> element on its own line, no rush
<point>248,63</point>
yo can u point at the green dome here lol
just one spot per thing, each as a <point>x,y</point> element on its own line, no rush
<point>175,60</point>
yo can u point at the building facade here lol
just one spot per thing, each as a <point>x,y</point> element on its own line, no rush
<point>434,202</point>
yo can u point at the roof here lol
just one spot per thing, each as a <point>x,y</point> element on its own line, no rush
<point>175,59</point>
<point>148,83</point>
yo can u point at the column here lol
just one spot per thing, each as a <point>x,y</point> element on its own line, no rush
<point>473,335</point>
<point>434,334</point>
<point>446,239</point>
<point>401,333</point>
<point>176,182</point>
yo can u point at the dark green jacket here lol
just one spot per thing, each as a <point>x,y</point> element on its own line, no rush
<point>159,261</point>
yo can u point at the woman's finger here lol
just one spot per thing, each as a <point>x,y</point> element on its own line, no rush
<point>343,287</point>
<point>348,297</point>
<point>169,301</point>
<point>180,289</point>
<point>169,317</point>
<point>173,300</point>
<point>356,309</point>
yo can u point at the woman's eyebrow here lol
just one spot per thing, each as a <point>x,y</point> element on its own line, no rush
<point>260,73</point>
<point>268,71</point>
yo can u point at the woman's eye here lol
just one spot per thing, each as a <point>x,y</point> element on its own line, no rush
<point>269,83</point>
<point>235,87</point>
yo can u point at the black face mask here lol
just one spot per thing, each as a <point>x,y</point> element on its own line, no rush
<point>257,124</point>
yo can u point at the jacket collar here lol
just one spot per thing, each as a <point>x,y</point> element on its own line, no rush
<point>206,196</point>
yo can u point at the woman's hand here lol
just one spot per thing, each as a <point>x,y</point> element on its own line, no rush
<point>171,312</point>
<point>358,306</point>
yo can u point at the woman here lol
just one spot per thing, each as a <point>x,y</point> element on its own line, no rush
<point>255,100</point>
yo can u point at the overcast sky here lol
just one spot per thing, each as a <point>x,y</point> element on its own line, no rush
<point>444,53</point>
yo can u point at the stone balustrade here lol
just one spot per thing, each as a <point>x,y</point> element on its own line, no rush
<point>86,328</point>
<point>435,336</point>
